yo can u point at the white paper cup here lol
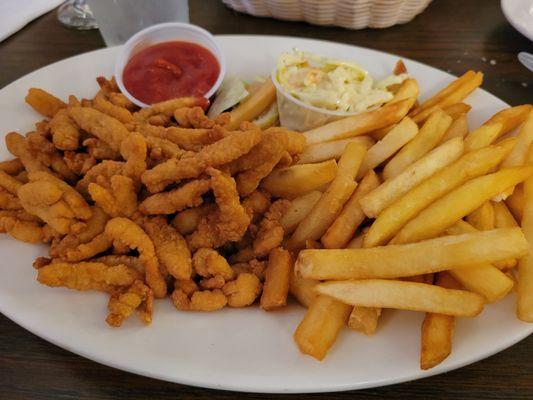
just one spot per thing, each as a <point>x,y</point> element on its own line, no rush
<point>163,33</point>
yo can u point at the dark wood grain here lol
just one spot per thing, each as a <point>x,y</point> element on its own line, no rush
<point>452,35</point>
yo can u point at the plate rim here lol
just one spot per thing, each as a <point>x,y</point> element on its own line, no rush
<point>250,388</point>
<point>506,10</point>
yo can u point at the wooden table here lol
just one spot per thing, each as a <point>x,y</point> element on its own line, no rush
<point>452,35</point>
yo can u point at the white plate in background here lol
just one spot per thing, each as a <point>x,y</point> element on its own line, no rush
<point>519,13</point>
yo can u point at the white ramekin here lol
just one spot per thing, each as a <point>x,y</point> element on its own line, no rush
<point>163,33</point>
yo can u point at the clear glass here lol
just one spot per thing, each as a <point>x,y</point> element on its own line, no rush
<point>77,15</point>
<point>118,20</point>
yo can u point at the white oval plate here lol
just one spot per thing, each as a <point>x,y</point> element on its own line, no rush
<point>519,13</point>
<point>234,349</point>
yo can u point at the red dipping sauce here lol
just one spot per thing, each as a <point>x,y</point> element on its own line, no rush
<point>170,69</point>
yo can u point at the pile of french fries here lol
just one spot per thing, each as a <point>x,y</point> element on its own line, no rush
<point>405,207</point>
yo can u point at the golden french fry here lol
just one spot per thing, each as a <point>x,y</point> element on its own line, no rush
<point>460,202</point>
<point>458,128</point>
<point>482,218</point>
<point>470,165</point>
<point>447,91</point>
<point>511,117</point>
<point>364,319</point>
<point>428,137</point>
<point>326,151</point>
<point>356,242</point>
<point>483,136</point>
<point>393,189</point>
<point>302,289</point>
<point>252,107</point>
<point>437,331</point>
<point>299,209</point>
<point>518,155</point>
<point>277,275</point>
<point>331,202</point>
<point>502,216</point>
<point>359,124</point>
<point>482,278</point>
<point>515,202</point>
<point>343,228</point>
<point>524,309</point>
<point>297,180</point>
<point>403,295</point>
<point>390,144</point>
<point>321,324</point>
<point>455,97</point>
<point>457,109</point>
<point>396,261</point>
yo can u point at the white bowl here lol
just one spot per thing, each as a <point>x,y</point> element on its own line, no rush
<point>163,33</point>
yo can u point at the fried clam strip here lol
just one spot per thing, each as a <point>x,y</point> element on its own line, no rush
<point>123,303</point>
<point>12,167</point>
<point>169,106</point>
<point>106,128</point>
<point>186,138</point>
<point>44,102</point>
<point>45,152</point>
<point>211,266</point>
<point>116,196</point>
<point>270,234</point>
<point>193,117</point>
<point>243,291</point>
<point>54,201</point>
<point>187,220</point>
<point>65,133</point>
<point>100,150</point>
<point>117,259</point>
<point>87,275</point>
<point>9,183</point>
<point>170,247</point>
<point>131,234</point>
<point>219,153</point>
<point>93,227</point>
<point>79,163</point>
<point>187,297</point>
<point>26,231</point>
<point>226,224</point>
<point>102,103</point>
<point>106,169</point>
<point>17,145</point>
<point>9,201</point>
<point>134,149</point>
<point>162,149</point>
<point>188,195</point>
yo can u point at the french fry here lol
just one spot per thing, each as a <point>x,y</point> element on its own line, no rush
<point>277,275</point>
<point>390,144</point>
<point>330,204</point>
<point>516,201</point>
<point>511,117</point>
<point>43,102</point>
<point>502,216</point>
<point>299,209</point>
<point>458,128</point>
<point>408,90</point>
<point>518,155</point>
<point>483,136</point>
<point>470,165</point>
<point>455,96</point>
<point>449,209</point>
<point>364,319</point>
<point>429,136</point>
<point>457,109</point>
<point>297,180</point>
<point>397,261</point>
<point>321,324</point>
<point>343,228</point>
<point>326,151</point>
<point>302,289</point>
<point>356,242</point>
<point>404,295</point>
<point>393,189</point>
<point>482,218</point>
<point>359,124</point>
<point>524,309</point>
<point>437,331</point>
<point>447,91</point>
<point>482,278</point>
<point>252,107</point>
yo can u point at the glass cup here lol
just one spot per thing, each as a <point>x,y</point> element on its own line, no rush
<point>118,20</point>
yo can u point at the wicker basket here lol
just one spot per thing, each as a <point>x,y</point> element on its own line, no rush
<point>351,14</point>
